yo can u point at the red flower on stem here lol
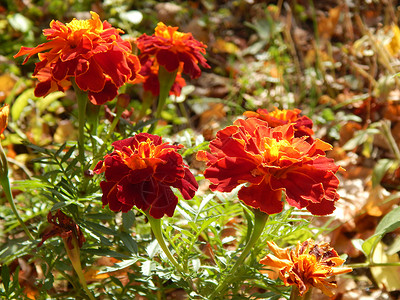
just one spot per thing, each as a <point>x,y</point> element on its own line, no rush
<point>271,161</point>
<point>141,171</point>
<point>173,50</point>
<point>89,51</point>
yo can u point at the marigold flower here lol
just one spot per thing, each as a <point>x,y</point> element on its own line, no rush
<point>302,124</point>
<point>4,112</point>
<point>173,50</point>
<point>90,51</point>
<point>149,71</point>
<point>309,264</point>
<point>272,161</point>
<point>64,227</point>
<point>141,171</point>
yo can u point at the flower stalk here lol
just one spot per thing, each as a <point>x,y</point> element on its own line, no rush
<point>260,219</point>
<point>5,183</point>
<point>157,231</point>
<point>166,80</point>
<point>82,99</point>
<point>74,257</point>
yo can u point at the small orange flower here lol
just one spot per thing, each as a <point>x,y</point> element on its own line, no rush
<point>302,124</point>
<point>307,265</point>
<point>90,51</point>
<point>4,112</point>
<point>173,50</point>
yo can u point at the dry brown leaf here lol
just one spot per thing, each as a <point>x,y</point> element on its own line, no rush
<point>327,25</point>
<point>386,277</point>
<point>65,132</point>
<point>7,83</point>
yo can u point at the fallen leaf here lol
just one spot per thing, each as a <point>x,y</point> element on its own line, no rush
<point>387,277</point>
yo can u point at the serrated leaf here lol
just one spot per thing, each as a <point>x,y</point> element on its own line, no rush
<point>129,242</point>
<point>153,248</point>
<point>128,219</point>
<point>100,228</point>
<point>105,252</point>
<point>119,266</point>
<point>68,154</point>
<point>147,267</point>
<point>58,205</point>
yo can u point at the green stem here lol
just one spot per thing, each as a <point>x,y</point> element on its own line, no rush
<point>260,220</point>
<point>295,294</point>
<point>82,99</point>
<point>148,100</point>
<point>392,142</point>
<point>372,264</point>
<point>166,80</point>
<point>5,183</point>
<point>109,134</point>
<point>157,231</point>
<point>74,257</point>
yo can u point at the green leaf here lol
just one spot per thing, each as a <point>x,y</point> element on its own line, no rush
<point>68,154</point>
<point>5,275</point>
<point>58,205</point>
<point>129,242</point>
<point>380,169</point>
<point>128,219</point>
<point>105,252</point>
<point>153,248</point>
<point>119,266</point>
<point>100,228</point>
<point>389,223</point>
<point>44,103</point>
<point>20,103</point>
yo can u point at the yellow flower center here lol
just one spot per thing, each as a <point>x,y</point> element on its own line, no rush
<point>275,150</point>
<point>77,25</point>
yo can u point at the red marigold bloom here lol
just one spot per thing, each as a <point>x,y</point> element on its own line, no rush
<point>302,124</point>
<point>272,161</point>
<point>90,51</point>
<point>173,50</point>
<point>309,264</point>
<point>64,227</point>
<point>151,83</point>
<point>141,171</point>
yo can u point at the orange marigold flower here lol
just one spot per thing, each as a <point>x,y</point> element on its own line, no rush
<point>141,171</point>
<point>151,83</point>
<point>173,50</point>
<point>272,161</point>
<point>90,51</point>
<point>309,264</point>
<point>64,227</point>
<point>4,112</point>
<point>302,124</point>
